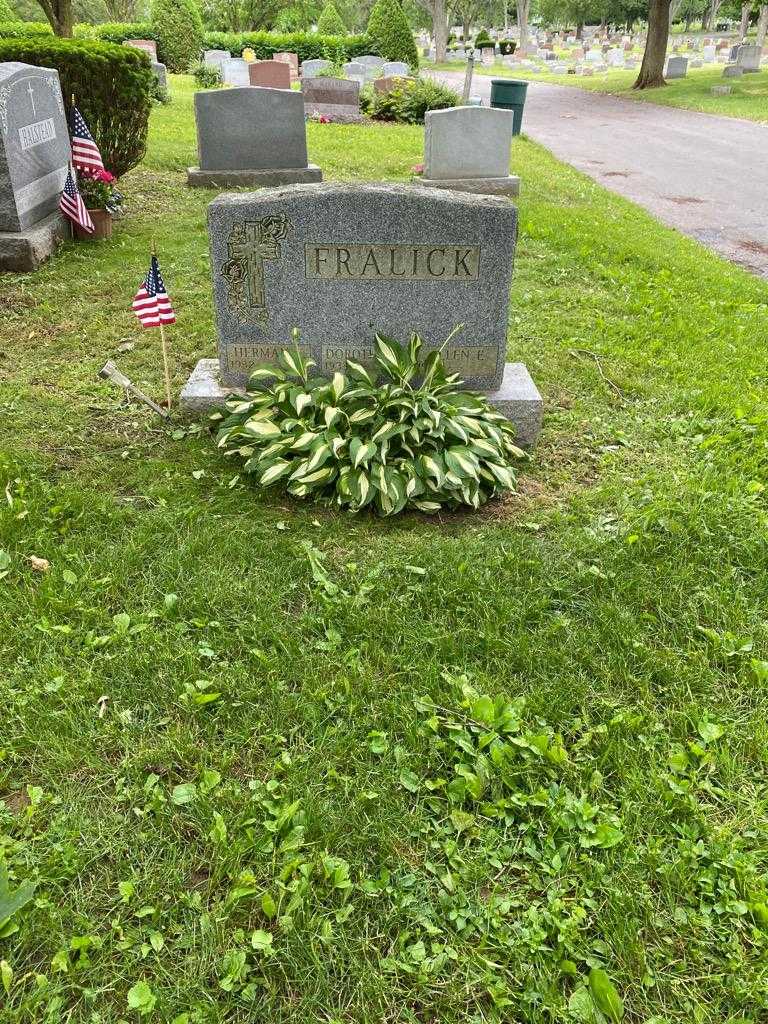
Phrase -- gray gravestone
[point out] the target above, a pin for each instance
(732, 71)
(342, 262)
(370, 60)
(338, 99)
(356, 71)
(310, 68)
(161, 74)
(251, 137)
(34, 156)
(748, 58)
(234, 71)
(467, 148)
(677, 67)
(394, 68)
(215, 57)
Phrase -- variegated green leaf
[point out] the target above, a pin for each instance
(275, 472)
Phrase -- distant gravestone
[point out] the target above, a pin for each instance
(344, 261)
(677, 67)
(748, 58)
(708, 54)
(356, 71)
(467, 148)
(160, 71)
(251, 137)
(215, 57)
(395, 67)
(272, 74)
(147, 45)
(389, 82)
(292, 60)
(371, 60)
(310, 68)
(338, 99)
(34, 156)
(234, 72)
(732, 71)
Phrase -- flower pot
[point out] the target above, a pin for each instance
(102, 226)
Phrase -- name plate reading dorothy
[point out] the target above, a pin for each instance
(244, 358)
(467, 360)
(33, 134)
(391, 262)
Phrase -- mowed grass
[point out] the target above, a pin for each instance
(748, 98)
(245, 753)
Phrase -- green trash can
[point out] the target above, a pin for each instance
(509, 94)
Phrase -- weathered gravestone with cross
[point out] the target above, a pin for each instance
(342, 262)
(34, 156)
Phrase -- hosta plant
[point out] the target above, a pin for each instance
(409, 438)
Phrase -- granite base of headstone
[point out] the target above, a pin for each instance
(34, 156)
(337, 99)
(341, 262)
(251, 136)
(467, 149)
(732, 71)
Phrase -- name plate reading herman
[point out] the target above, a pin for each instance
(382, 262)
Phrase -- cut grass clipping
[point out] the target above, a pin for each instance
(390, 444)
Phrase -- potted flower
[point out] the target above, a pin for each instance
(102, 201)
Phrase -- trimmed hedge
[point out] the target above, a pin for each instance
(112, 86)
(330, 23)
(307, 46)
(179, 28)
(24, 29)
(389, 27)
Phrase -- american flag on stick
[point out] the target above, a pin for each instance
(153, 308)
(151, 303)
(85, 153)
(72, 205)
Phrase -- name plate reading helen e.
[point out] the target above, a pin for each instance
(343, 262)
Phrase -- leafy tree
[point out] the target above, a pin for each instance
(329, 23)
(179, 31)
(6, 12)
(437, 13)
(389, 29)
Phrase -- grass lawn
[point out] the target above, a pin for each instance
(247, 753)
(748, 98)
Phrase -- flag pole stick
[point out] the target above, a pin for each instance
(164, 345)
(165, 368)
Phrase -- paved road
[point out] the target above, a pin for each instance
(707, 176)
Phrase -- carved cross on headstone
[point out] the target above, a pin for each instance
(249, 244)
(31, 92)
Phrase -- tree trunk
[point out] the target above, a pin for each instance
(466, 29)
(674, 10)
(59, 14)
(746, 10)
(762, 25)
(439, 29)
(652, 69)
(711, 16)
(580, 31)
(523, 10)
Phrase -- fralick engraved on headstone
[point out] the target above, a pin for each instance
(34, 145)
(341, 262)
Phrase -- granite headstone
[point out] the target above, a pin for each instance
(467, 148)
(338, 99)
(272, 74)
(344, 261)
(234, 71)
(251, 136)
(34, 156)
(310, 68)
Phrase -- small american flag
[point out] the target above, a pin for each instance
(85, 153)
(151, 304)
(72, 205)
